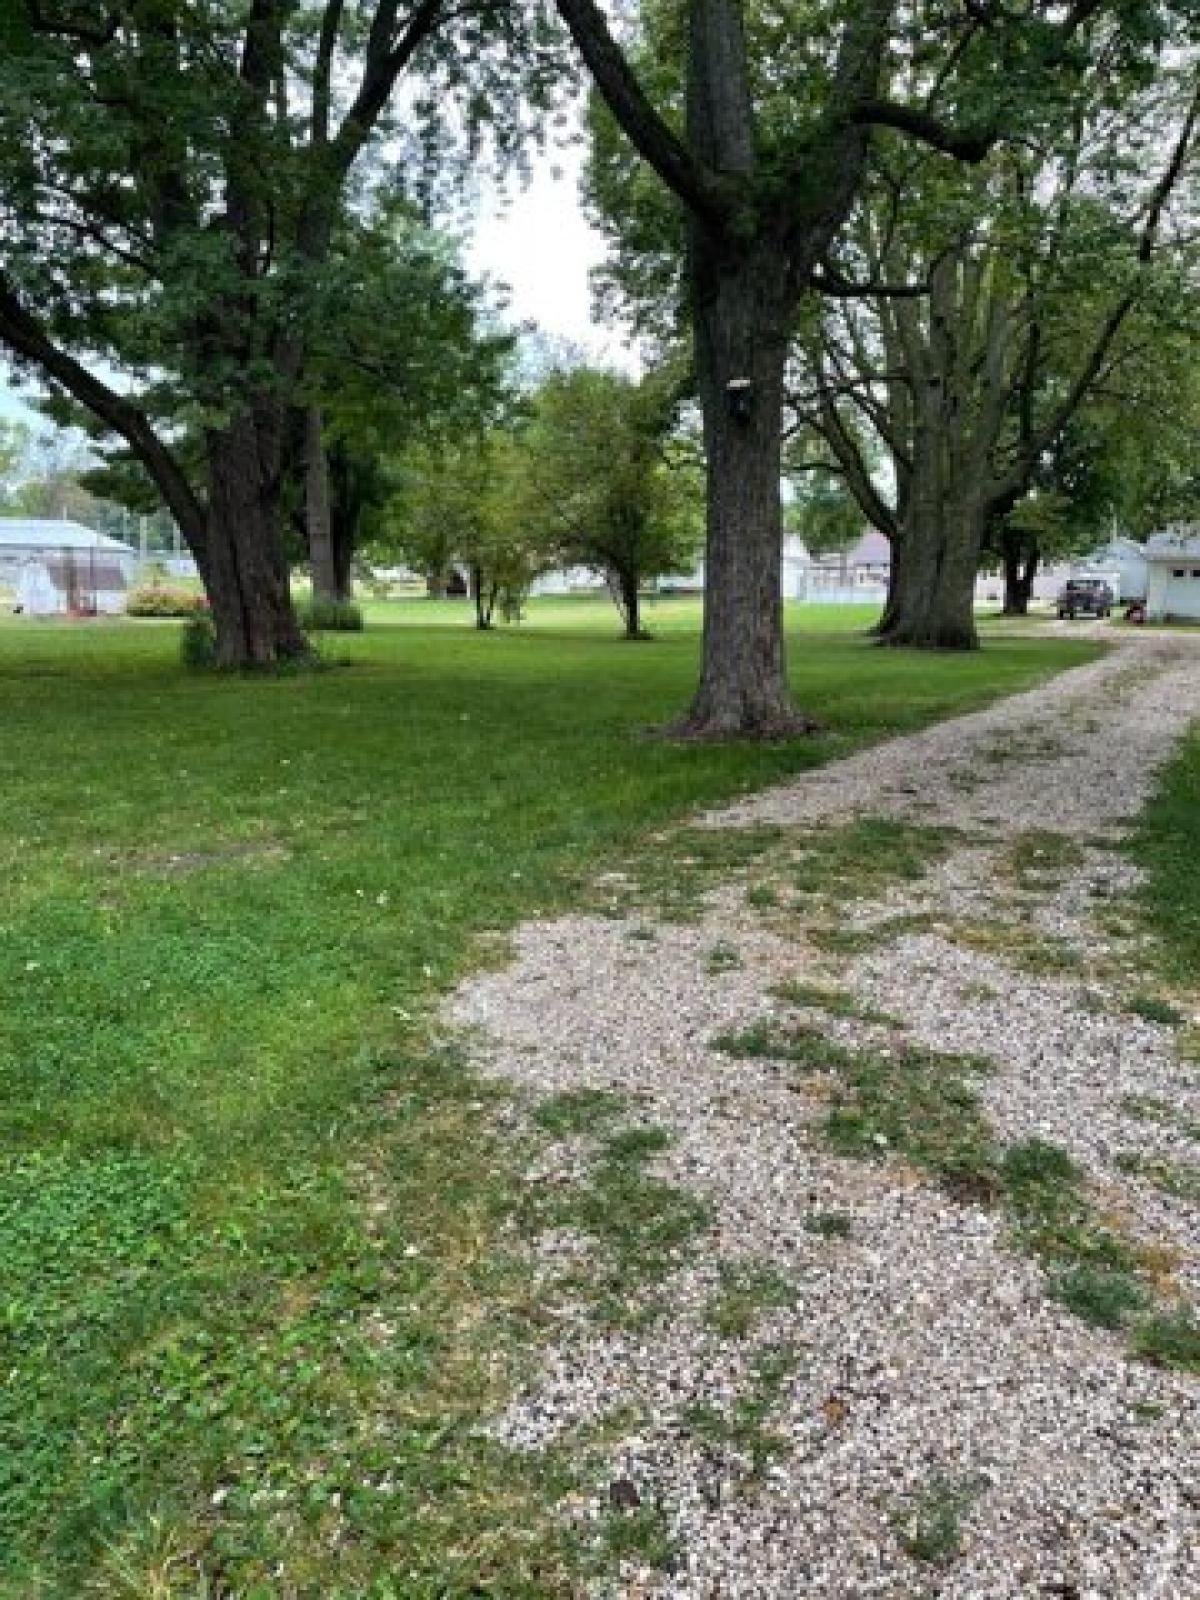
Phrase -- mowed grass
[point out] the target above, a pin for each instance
(256, 1287)
(1167, 845)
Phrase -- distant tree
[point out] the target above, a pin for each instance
(460, 504)
(824, 513)
(609, 482)
(1030, 285)
(14, 445)
(405, 351)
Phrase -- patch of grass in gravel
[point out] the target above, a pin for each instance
(640, 1534)
(864, 857)
(923, 1106)
(847, 940)
(769, 1040)
(919, 1104)
(1171, 1339)
(1153, 1009)
(641, 1222)
(1015, 943)
(818, 997)
(1105, 1297)
(1047, 1195)
(682, 867)
(829, 1224)
(1040, 858)
(1178, 1178)
(1152, 1108)
(746, 1291)
(1167, 846)
(745, 1427)
(578, 1111)
(930, 1526)
(722, 957)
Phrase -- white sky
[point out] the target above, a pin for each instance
(536, 239)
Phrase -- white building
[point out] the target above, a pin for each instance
(1173, 581)
(58, 568)
(1125, 558)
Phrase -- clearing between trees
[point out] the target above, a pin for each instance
(868, 1227)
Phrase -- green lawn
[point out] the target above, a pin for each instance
(1167, 844)
(253, 1285)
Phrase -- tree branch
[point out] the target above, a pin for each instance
(22, 334)
(708, 193)
(961, 143)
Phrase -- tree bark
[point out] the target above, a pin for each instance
(632, 604)
(1020, 569)
(484, 593)
(932, 601)
(245, 573)
(317, 513)
(742, 300)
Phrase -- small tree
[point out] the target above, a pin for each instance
(460, 504)
(609, 485)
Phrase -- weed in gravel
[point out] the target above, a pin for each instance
(722, 957)
(844, 940)
(1152, 1009)
(817, 997)
(829, 1224)
(1105, 1297)
(930, 1526)
(1178, 1178)
(762, 896)
(1171, 1339)
(578, 1111)
(1039, 858)
(769, 1040)
(747, 1289)
(864, 857)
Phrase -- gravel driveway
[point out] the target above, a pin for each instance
(855, 1381)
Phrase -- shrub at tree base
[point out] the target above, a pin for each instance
(156, 601)
(331, 616)
(198, 641)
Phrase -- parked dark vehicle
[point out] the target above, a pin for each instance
(1085, 597)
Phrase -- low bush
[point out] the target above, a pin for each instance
(198, 642)
(331, 616)
(157, 600)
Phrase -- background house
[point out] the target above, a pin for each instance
(57, 568)
(1173, 568)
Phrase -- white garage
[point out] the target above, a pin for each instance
(1173, 574)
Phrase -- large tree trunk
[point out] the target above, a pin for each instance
(880, 629)
(245, 573)
(742, 306)
(932, 604)
(317, 512)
